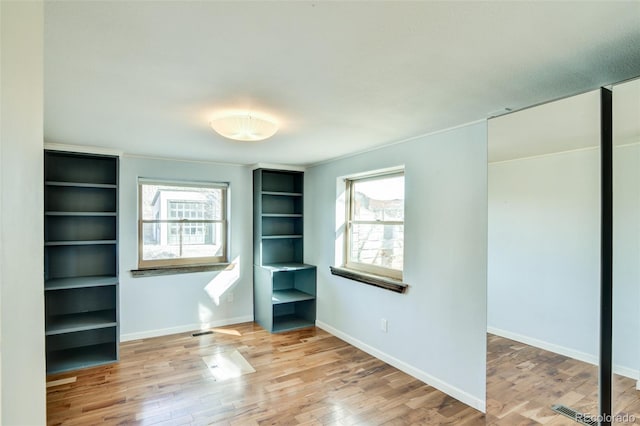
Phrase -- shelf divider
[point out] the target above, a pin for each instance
(79, 282)
(79, 243)
(81, 184)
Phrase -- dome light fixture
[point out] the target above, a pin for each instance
(244, 127)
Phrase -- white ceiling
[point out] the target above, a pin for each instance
(341, 77)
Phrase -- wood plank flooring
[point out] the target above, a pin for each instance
(524, 381)
(305, 377)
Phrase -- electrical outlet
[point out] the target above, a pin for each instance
(230, 297)
(383, 325)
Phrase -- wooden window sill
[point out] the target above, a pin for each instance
(151, 272)
(374, 280)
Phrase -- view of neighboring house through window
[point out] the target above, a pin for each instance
(181, 223)
(375, 224)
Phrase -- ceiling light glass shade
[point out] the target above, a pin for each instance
(244, 127)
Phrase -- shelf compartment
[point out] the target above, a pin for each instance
(81, 228)
(81, 357)
(272, 226)
(289, 296)
(283, 205)
(79, 301)
(80, 199)
(281, 215)
(282, 181)
(80, 261)
(281, 250)
(303, 280)
(290, 322)
(81, 349)
(292, 316)
(70, 167)
(80, 322)
(79, 282)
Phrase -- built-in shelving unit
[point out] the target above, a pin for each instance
(81, 250)
(284, 286)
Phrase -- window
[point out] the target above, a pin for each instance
(181, 224)
(375, 224)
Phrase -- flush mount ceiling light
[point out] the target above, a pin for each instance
(244, 127)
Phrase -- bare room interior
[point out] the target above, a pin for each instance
(319, 213)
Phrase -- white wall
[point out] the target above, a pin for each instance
(437, 330)
(21, 226)
(158, 305)
(544, 250)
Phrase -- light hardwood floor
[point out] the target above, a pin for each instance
(303, 377)
(523, 382)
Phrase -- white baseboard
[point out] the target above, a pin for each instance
(452, 391)
(183, 328)
(562, 350)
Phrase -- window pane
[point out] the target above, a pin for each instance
(161, 202)
(379, 199)
(379, 245)
(181, 240)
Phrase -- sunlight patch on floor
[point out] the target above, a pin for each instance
(227, 365)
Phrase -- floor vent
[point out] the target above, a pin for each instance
(583, 419)
(201, 333)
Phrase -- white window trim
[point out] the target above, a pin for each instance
(186, 262)
(357, 266)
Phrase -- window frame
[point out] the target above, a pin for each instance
(191, 261)
(375, 270)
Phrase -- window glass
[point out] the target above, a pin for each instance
(375, 224)
(182, 224)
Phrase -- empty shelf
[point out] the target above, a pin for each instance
(290, 322)
(281, 215)
(79, 243)
(287, 266)
(79, 184)
(278, 237)
(57, 213)
(289, 296)
(80, 322)
(79, 282)
(81, 357)
(288, 194)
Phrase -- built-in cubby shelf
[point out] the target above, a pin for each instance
(80, 255)
(284, 286)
